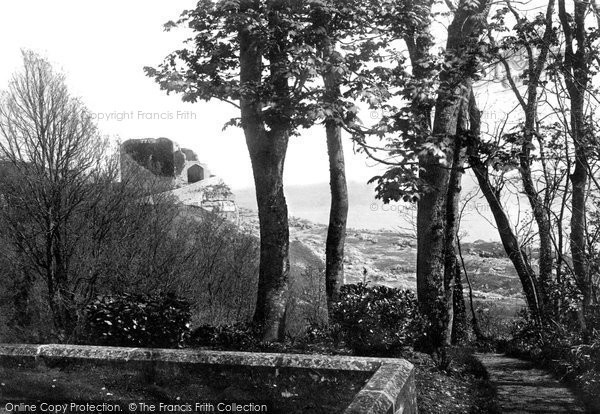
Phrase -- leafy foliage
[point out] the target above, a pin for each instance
(233, 336)
(405, 127)
(160, 321)
(208, 67)
(377, 320)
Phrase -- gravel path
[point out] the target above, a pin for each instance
(524, 389)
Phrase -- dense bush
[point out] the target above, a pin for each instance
(377, 320)
(235, 336)
(128, 246)
(219, 273)
(160, 321)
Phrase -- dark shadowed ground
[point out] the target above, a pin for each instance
(521, 388)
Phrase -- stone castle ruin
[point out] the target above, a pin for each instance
(163, 158)
(188, 179)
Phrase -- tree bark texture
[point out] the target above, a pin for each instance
(267, 154)
(509, 240)
(435, 175)
(338, 213)
(577, 79)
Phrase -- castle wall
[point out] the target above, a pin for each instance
(156, 155)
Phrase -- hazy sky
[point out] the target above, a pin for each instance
(103, 47)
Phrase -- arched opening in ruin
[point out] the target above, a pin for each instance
(195, 173)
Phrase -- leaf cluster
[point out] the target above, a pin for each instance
(314, 37)
(160, 320)
(377, 320)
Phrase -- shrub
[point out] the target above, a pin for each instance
(158, 320)
(585, 364)
(307, 301)
(220, 273)
(377, 320)
(235, 336)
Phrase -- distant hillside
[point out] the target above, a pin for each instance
(312, 201)
(388, 257)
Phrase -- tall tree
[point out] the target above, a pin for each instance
(347, 42)
(434, 239)
(523, 44)
(260, 57)
(427, 158)
(330, 22)
(537, 41)
(513, 247)
(51, 145)
(285, 64)
(527, 41)
(338, 213)
(576, 70)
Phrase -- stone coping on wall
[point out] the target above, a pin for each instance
(391, 389)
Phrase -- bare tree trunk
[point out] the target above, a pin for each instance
(539, 207)
(267, 153)
(577, 79)
(561, 262)
(431, 218)
(451, 269)
(475, 323)
(432, 222)
(418, 45)
(274, 243)
(511, 244)
(579, 181)
(542, 218)
(432, 235)
(452, 212)
(509, 240)
(338, 213)
(459, 324)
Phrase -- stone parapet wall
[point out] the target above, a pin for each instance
(391, 389)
